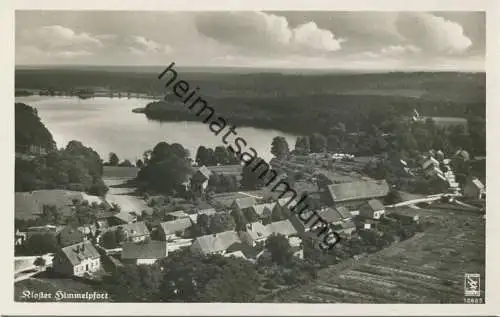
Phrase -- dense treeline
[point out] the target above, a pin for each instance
(218, 156)
(427, 85)
(75, 167)
(30, 131)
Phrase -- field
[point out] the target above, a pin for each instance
(427, 268)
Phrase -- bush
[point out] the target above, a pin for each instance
(39, 261)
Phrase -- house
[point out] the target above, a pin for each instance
(330, 215)
(218, 243)
(263, 210)
(406, 215)
(244, 203)
(227, 170)
(357, 192)
(178, 244)
(344, 212)
(372, 209)
(78, 259)
(474, 189)
(102, 219)
(122, 217)
(172, 230)
(144, 253)
(255, 233)
(135, 232)
(179, 214)
(369, 224)
(209, 212)
(199, 180)
(283, 227)
(69, 236)
(88, 231)
(347, 228)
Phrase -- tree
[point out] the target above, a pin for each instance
(279, 147)
(277, 214)
(221, 155)
(251, 179)
(165, 172)
(302, 145)
(126, 163)
(39, 261)
(317, 143)
(202, 156)
(280, 249)
(239, 282)
(139, 163)
(41, 243)
(239, 219)
(113, 159)
(134, 283)
(333, 143)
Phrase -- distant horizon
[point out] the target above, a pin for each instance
(250, 69)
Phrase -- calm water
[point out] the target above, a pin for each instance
(109, 125)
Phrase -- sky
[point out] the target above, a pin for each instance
(344, 40)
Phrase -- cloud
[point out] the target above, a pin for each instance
(57, 36)
(143, 46)
(432, 33)
(266, 33)
(56, 41)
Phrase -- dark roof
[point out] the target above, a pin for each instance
(329, 215)
(150, 250)
(358, 190)
(76, 253)
(375, 204)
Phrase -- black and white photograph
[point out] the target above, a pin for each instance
(244, 156)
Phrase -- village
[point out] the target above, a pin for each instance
(356, 205)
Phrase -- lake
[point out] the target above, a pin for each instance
(109, 125)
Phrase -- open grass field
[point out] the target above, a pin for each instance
(427, 268)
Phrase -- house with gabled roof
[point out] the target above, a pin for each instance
(135, 232)
(263, 210)
(123, 217)
(330, 215)
(78, 259)
(209, 212)
(199, 180)
(218, 243)
(357, 192)
(372, 209)
(344, 212)
(255, 233)
(173, 230)
(178, 214)
(144, 253)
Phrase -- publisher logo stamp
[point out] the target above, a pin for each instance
(472, 284)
